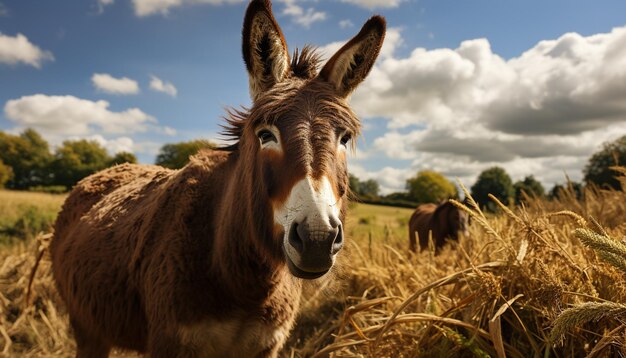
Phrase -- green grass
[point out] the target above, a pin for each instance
(382, 222)
(25, 214)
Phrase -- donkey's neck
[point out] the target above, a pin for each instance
(242, 255)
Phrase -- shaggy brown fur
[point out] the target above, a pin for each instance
(190, 262)
(444, 220)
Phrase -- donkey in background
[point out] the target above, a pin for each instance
(208, 260)
(444, 221)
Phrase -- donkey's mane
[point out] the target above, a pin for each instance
(304, 66)
(305, 63)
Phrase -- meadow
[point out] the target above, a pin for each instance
(544, 279)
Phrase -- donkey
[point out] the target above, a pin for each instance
(208, 260)
(444, 221)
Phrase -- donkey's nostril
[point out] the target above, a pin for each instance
(338, 241)
(294, 238)
(334, 221)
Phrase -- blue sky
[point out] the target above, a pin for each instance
(441, 108)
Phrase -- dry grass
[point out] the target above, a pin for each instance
(522, 284)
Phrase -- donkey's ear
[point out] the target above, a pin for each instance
(264, 48)
(349, 66)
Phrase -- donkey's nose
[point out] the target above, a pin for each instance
(312, 246)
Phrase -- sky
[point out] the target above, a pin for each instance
(461, 85)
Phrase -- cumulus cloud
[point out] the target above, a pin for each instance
(159, 85)
(301, 16)
(72, 116)
(344, 24)
(373, 4)
(18, 49)
(109, 84)
(163, 7)
(113, 146)
(104, 3)
(462, 110)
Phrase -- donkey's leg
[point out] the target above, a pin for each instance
(87, 345)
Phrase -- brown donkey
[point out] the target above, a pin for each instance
(208, 260)
(444, 220)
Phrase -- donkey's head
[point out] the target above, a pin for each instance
(296, 134)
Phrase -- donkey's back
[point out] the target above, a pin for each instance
(105, 250)
(91, 256)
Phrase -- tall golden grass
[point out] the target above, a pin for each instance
(544, 279)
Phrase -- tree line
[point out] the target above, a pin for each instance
(27, 161)
(431, 187)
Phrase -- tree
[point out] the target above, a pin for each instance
(77, 159)
(430, 187)
(354, 183)
(6, 174)
(597, 169)
(558, 191)
(176, 155)
(530, 186)
(494, 181)
(29, 157)
(123, 157)
(364, 189)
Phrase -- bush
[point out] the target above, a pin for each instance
(530, 186)
(176, 155)
(6, 174)
(598, 169)
(430, 187)
(50, 189)
(31, 222)
(493, 181)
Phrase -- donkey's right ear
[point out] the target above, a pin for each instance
(264, 48)
(349, 66)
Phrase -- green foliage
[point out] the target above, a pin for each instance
(6, 173)
(494, 181)
(123, 157)
(531, 186)
(50, 189)
(31, 221)
(29, 157)
(558, 191)
(176, 155)
(598, 168)
(77, 159)
(364, 189)
(430, 187)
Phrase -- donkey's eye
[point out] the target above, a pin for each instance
(266, 136)
(345, 139)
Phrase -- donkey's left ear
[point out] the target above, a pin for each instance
(349, 66)
(264, 48)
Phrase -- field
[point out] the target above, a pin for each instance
(525, 282)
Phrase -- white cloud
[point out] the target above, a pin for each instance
(301, 16)
(373, 4)
(18, 49)
(390, 179)
(169, 131)
(163, 7)
(159, 85)
(104, 3)
(113, 146)
(344, 24)
(66, 116)
(460, 111)
(109, 84)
